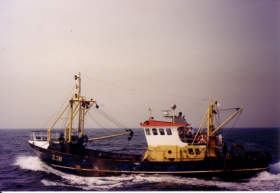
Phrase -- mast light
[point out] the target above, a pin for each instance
(173, 106)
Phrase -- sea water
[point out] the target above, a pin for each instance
(21, 170)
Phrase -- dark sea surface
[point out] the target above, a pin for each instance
(21, 170)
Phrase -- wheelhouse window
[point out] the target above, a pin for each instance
(161, 131)
(147, 131)
(155, 131)
(168, 131)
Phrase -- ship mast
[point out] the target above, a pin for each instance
(81, 120)
(210, 118)
(79, 106)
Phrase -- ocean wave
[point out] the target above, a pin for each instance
(268, 181)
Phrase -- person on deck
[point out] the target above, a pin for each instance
(180, 132)
(180, 115)
(190, 133)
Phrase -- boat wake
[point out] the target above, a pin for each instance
(264, 181)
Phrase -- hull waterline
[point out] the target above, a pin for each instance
(92, 166)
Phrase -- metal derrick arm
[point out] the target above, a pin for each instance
(203, 122)
(230, 118)
(209, 119)
(50, 129)
(111, 136)
(76, 103)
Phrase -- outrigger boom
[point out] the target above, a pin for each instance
(230, 118)
(130, 133)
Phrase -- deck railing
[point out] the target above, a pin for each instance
(43, 135)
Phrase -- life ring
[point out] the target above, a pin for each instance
(202, 139)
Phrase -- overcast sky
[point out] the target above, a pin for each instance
(139, 54)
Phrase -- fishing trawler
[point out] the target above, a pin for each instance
(172, 146)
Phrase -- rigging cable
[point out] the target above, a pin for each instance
(99, 123)
(114, 98)
(126, 145)
(196, 107)
(234, 123)
(65, 120)
(141, 90)
(218, 120)
(99, 120)
(59, 109)
(111, 119)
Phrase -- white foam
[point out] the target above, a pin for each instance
(49, 183)
(29, 163)
(35, 164)
(97, 183)
(264, 181)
